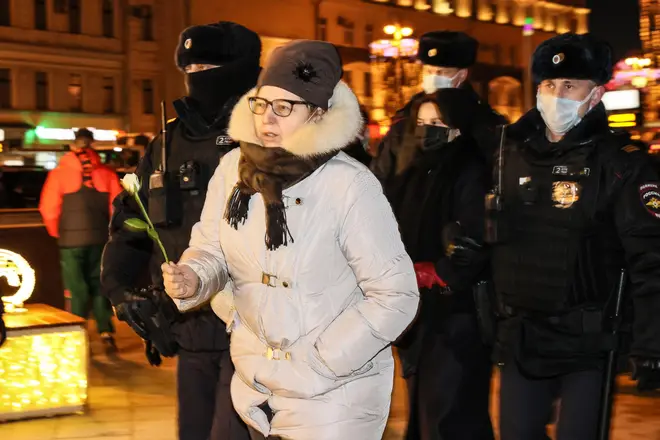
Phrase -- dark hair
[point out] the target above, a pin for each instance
(411, 122)
(409, 142)
(84, 133)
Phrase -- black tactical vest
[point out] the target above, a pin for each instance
(559, 248)
(206, 154)
(199, 330)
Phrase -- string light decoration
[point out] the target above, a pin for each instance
(18, 273)
(43, 372)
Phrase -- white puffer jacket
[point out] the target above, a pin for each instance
(311, 322)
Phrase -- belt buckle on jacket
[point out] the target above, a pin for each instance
(275, 354)
(268, 279)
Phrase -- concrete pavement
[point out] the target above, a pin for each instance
(130, 400)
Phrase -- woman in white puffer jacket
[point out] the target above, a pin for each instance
(321, 281)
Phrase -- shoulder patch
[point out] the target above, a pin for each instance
(649, 194)
(630, 148)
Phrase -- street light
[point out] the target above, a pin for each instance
(398, 34)
(392, 50)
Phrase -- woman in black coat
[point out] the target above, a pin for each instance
(437, 183)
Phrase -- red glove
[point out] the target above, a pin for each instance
(427, 276)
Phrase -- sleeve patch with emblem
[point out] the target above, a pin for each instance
(650, 196)
(630, 148)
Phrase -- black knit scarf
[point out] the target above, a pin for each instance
(269, 171)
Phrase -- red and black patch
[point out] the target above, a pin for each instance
(649, 193)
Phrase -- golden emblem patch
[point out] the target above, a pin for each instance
(433, 52)
(565, 194)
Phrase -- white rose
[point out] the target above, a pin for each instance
(131, 183)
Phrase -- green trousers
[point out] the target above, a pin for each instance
(81, 271)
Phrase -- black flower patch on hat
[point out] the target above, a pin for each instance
(306, 73)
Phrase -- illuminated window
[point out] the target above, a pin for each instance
(60, 6)
(75, 93)
(368, 84)
(497, 53)
(322, 29)
(349, 34)
(108, 18)
(108, 95)
(40, 15)
(147, 22)
(147, 97)
(74, 17)
(368, 34)
(5, 88)
(5, 13)
(41, 84)
(349, 30)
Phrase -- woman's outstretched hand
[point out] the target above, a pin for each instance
(180, 281)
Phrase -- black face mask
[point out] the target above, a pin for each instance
(210, 89)
(432, 136)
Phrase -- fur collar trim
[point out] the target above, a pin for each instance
(336, 129)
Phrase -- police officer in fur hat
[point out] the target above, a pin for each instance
(446, 58)
(220, 62)
(575, 205)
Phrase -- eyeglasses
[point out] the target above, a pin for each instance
(281, 107)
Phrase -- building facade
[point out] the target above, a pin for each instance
(649, 33)
(67, 64)
(353, 25)
(106, 64)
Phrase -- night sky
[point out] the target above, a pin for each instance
(616, 21)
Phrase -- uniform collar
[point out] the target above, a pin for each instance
(530, 129)
(196, 125)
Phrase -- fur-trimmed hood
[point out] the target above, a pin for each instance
(336, 129)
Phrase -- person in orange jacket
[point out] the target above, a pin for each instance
(76, 204)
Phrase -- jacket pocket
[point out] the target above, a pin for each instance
(319, 366)
(303, 375)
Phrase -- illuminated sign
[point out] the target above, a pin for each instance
(528, 27)
(621, 100)
(406, 47)
(19, 274)
(69, 134)
(622, 117)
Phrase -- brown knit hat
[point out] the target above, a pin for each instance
(310, 69)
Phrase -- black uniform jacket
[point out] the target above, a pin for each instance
(621, 204)
(128, 254)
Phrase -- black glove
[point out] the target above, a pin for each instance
(464, 251)
(151, 313)
(646, 371)
(153, 356)
(461, 249)
(126, 309)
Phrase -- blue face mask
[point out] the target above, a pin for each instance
(431, 83)
(560, 114)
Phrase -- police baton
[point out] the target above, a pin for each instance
(611, 366)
